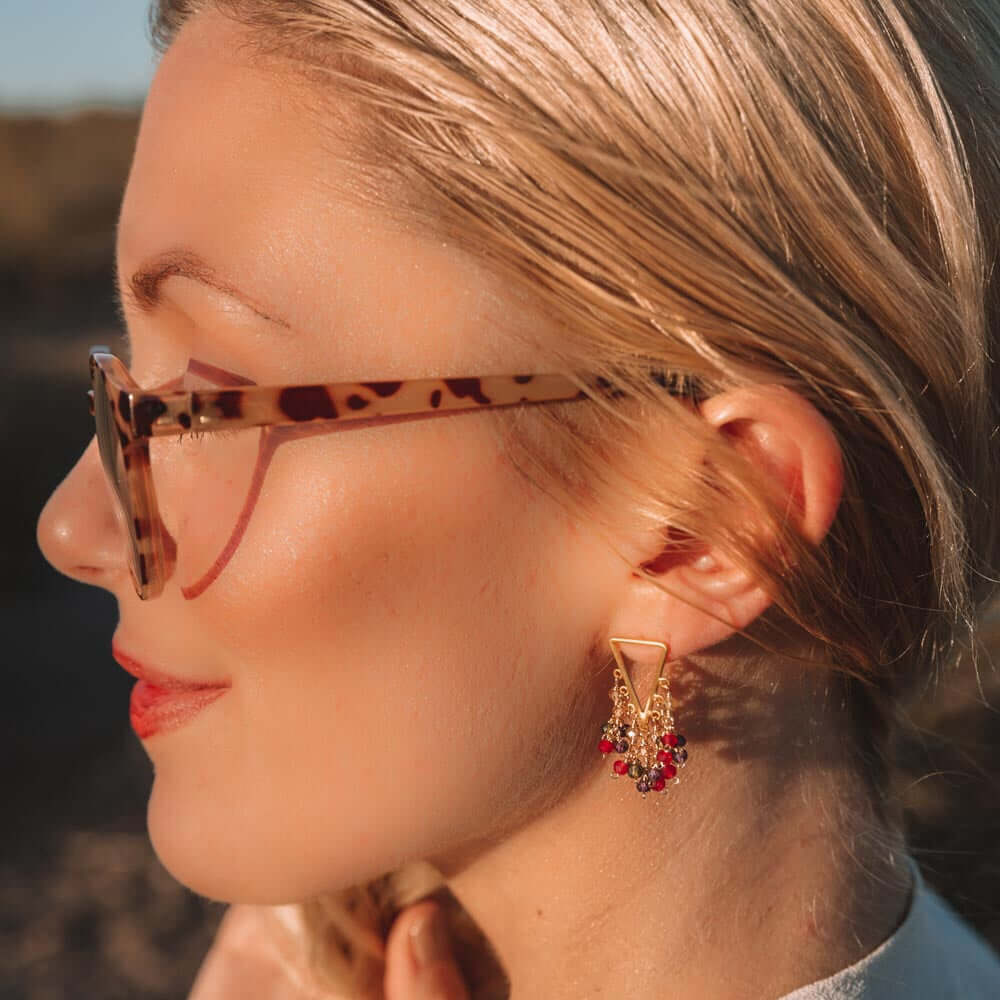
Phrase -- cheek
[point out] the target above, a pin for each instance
(346, 531)
(387, 586)
(388, 630)
(205, 488)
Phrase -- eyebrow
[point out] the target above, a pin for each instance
(144, 286)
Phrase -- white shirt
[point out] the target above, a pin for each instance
(933, 955)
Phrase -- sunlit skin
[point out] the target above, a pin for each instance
(405, 618)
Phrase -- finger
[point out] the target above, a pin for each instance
(420, 964)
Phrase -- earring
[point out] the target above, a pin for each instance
(653, 750)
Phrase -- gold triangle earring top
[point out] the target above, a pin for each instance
(644, 733)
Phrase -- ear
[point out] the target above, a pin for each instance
(783, 434)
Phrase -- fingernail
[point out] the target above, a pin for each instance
(429, 940)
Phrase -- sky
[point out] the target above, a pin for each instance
(58, 54)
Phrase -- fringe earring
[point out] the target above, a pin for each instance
(653, 749)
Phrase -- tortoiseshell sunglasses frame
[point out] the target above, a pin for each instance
(138, 416)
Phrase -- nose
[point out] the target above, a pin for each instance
(78, 529)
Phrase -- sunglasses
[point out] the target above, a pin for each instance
(127, 418)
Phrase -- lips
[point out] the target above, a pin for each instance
(160, 702)
(143, 672)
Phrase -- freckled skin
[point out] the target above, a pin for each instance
(349, 611)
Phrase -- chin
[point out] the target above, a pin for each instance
(211, 854)
(225, 853)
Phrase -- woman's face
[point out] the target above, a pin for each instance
(405, 617)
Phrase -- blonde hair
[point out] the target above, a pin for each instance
(791, 192)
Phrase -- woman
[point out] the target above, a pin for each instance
(752, 242)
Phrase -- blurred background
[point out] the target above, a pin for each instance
(85, 908)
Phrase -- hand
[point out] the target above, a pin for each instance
(418, 960)
(254, 957)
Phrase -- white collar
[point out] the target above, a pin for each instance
(933, 955)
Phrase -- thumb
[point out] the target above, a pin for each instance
(419, 960)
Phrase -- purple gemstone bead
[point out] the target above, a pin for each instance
(654, 773)
(680, 755)
(680, 740)
(621, 746)
(642, 785)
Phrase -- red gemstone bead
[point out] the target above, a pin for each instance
(669, 771)
(662, 755)
(606, 746)
(670, 739)
(620, 767)
(659, 785)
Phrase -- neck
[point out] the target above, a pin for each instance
(763, 870)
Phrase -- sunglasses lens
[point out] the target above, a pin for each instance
(207, 485)
(109, 442)
(186, 500)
